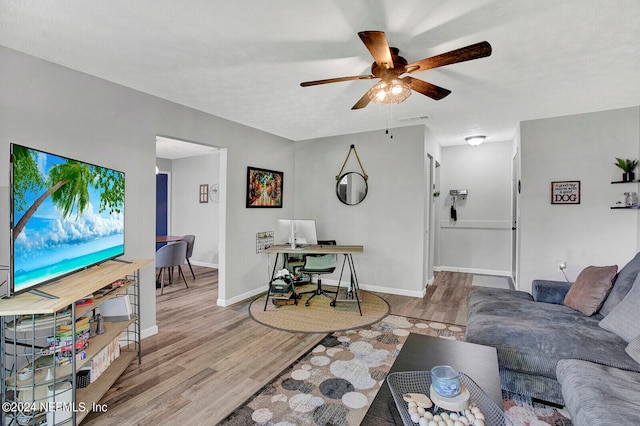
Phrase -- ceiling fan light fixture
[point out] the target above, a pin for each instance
(392, 91)
(475, 140)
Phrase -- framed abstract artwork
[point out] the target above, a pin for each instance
(264, 188)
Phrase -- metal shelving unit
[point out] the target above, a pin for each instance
(44, 346)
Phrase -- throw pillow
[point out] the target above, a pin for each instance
(590, 288)
(633, 349)
(622, 285)
(624, 319)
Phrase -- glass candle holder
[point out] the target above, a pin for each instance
(445, 380)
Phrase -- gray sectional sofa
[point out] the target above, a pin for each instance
(553, 352)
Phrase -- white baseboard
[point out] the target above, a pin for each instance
(147, 332)
(208, 265)
(380, 289)
(474, 271)
(374, 288)
(228, 302)
(397, 291)
(330, 282)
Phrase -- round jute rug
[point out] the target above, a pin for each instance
(319, 316)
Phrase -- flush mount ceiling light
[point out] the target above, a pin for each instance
(390, 91)
(475, 140)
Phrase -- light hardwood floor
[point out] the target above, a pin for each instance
(207, 360)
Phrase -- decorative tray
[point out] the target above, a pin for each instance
(404, 382)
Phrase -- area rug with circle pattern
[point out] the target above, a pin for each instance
(335, 382)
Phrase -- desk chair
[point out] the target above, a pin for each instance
(319, 264)
(168, 257)
(190, 240)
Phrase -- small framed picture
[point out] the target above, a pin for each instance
(565, 192)
(264, 188)
(204, 193)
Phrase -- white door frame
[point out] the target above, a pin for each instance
(429, 221)
(515, 216)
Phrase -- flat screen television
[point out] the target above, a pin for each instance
(66, 215)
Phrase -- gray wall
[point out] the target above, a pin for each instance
(163, 164)
(66, 112)
(188, 215)
(69, 113)
(390, 221)
(480, 240)
(578, 147)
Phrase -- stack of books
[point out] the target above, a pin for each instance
(61, 344)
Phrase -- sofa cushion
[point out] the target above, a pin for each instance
(622, 284)
(590, 288)
(549, 291)
(633, 349)
(624, 319)
(598, 395)
(531, 337)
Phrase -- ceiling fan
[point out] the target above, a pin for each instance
(389, 67)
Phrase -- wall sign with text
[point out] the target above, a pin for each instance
(565, 192)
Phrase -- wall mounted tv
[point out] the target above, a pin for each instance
(66, 215)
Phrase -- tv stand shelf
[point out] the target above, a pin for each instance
(69, 289)
(29, 326)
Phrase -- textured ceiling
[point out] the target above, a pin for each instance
(244, 60)
(172, 149)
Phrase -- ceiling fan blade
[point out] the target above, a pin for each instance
(335, 80)
(362, 102)
(427, 89)
(377, 44)
(474, 51)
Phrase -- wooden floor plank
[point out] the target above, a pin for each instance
(207, 360)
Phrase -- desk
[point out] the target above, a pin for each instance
(346, 250)
(168, 238)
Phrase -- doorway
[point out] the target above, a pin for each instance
(184, 168)
(429, 220)
(515, 213)
(163, 207)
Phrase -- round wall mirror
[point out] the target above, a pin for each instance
(352, 188)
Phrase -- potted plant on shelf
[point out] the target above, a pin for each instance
(628, 166)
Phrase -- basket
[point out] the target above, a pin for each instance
(420, 382)
(83, 379)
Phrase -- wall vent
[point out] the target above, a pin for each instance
(416, 118)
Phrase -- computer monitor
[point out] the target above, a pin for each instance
(303, 229)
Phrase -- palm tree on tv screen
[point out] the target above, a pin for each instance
(67, 184)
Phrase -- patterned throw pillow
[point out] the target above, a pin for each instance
(624, 319)
(633, 349)
(590, 288)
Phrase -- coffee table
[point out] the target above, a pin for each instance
(423, 352)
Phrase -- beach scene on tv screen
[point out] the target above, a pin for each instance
(67, 215)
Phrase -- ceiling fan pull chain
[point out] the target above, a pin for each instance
(353, 147)
(390, 122)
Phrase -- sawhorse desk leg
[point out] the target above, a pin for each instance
(353, 285)
(273, 273)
